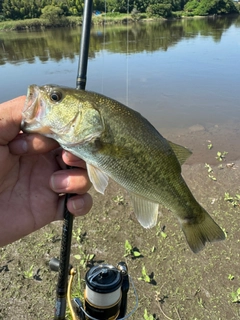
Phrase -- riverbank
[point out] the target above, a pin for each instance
(182, 75)
(33, 24)
(72, 21)
(181, 284)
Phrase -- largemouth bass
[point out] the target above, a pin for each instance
(116, 141)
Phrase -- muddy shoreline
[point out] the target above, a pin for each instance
(184, 285)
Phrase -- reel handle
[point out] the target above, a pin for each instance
(54, 265)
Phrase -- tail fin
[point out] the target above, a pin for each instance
(198, 233)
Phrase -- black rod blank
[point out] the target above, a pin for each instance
(61, 291)
(84, 46)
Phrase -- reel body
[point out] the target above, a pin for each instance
(105, 293)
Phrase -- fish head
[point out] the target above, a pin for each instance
(61, 113)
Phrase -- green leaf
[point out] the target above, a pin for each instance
(230, 277)
(153, 249)
(146, 316)
(144, 276)
(208, 167)
(128, 246)
(212, 177)
(163, 234)
(136, 253)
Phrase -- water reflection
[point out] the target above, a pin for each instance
(17, 47)
(178, 74)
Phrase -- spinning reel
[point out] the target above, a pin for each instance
(105, 294)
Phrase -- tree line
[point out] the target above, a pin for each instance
(61, 45)
(28, 9)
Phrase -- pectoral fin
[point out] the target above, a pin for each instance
(98, 178)
(146, 211)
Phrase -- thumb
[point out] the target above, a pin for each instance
(10, 120)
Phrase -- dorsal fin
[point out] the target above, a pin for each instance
(181, 152)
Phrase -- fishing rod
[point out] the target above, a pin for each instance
(84, 46)
(105, 295)
(63, 267)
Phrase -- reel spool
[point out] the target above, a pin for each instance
(103, 294)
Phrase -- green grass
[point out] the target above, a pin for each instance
(29, 24)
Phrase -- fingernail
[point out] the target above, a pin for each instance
(59, 182)
(66, 153)
(78, 204)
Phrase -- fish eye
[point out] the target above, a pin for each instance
(56, 96)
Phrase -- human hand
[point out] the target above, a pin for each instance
(31, 178)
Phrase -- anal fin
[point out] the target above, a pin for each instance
(145, 210)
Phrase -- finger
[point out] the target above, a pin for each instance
(70, 181)
(11, 115)
(31, 144)
(72, 160)
(78, 205)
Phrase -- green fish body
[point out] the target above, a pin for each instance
(117, 142)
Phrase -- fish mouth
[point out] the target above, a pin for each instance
(33, 110)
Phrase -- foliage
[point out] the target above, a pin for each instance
(148, 316)
(191, 5)
(20, 9)
(135, 14)
(129, 250)
(145, 277)
(142, 5)
(75, 7)
(28, 274)
(234, 200)
(1, 3)
(221, 155)
(28, 9)
(159, 10)
(51, 13)
(236, 296)
(210, 7)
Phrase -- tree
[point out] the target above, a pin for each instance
(159, 10)
(210, 7)
(51, 13)
(1, 3)
(75, 7)
(21, 9)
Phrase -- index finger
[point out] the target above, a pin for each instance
(31, 143)
(72, 160)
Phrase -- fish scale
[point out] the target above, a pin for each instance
(117, 142)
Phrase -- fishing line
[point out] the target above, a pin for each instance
(104, 45)
(127, 59)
